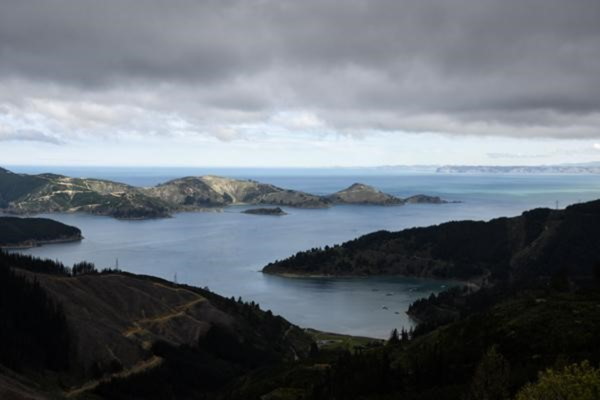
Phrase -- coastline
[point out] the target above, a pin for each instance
(37, 243)
(475, 283)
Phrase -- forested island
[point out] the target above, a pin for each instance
(47, 193)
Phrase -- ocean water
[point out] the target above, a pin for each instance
(226, 250)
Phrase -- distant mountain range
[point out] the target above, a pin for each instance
(591, 168)
(46, 193)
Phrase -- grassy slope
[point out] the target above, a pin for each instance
(14, 186)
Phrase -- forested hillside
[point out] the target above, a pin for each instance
(537, 243)
(32, 231)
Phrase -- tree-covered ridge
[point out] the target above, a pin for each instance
(579, 381)
(32, 231)
(490, 354)
(538, 242)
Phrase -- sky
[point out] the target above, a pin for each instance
(312, 83)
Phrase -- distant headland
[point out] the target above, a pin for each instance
(24, 233)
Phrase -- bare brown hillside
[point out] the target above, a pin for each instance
(116, 319)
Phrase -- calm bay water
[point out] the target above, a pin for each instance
(225, 250)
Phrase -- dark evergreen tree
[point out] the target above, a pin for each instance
(84, 267)
(491, 379)
(394, 338)
(33, 329)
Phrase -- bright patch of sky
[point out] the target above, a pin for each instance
(275, 146)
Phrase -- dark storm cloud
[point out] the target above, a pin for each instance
(447, 66)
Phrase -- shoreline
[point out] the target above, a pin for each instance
(475, 283)
(223, 208)
(30, 244)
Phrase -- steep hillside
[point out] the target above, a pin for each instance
(117, 336)
(539, 242)
(30, 232)
(487, 355)
(121, 325)
(14, 186)
(47, 193)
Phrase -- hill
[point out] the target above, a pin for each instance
(83, 334)
(215, 191)
(539, 242)
(30, 232)
(115, 325)
(490, 354)
(47, 193)
(359, 193)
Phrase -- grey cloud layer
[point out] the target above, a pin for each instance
(527, 67)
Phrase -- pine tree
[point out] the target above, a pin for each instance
(394, 338)
(491, 379)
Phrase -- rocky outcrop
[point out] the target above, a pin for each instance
(424, 199)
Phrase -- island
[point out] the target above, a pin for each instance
(275, 211)
(359, 193)
(424, 199)
(31, 232)
(25, 194)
